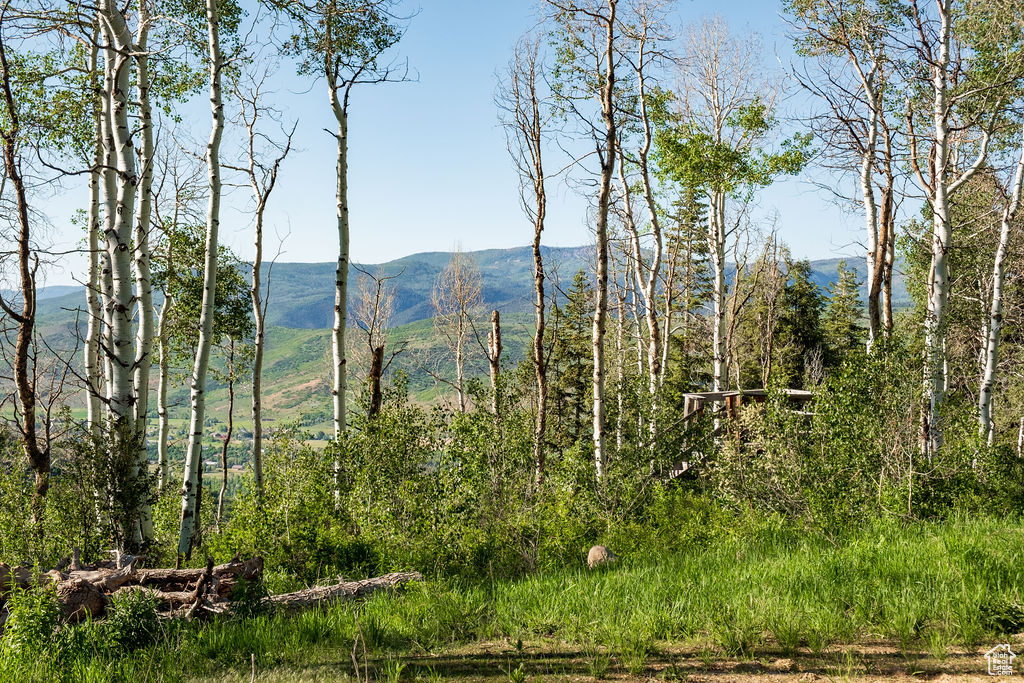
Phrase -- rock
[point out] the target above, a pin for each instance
(599, 555)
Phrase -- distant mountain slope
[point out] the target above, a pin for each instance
(302, 294)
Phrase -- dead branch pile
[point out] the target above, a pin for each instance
(87, 590)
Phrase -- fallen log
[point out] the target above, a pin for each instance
(345, 590)
(165, 600)
(107, 580)
(80, 599)
(248, 570)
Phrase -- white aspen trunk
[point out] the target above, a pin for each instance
(255, 294)
(162, 387)
(938, 280)
(654, 357)
(93, 372)
(339, 388)
(121, 187)
(341, 273)
(460, 370)
(716, 247)
(867, 189)
(194, 455)
(604, 198)
(143, 283)
(494, 358)
(122, 183)
(620, 349)
(1020, 438)
(994, 323)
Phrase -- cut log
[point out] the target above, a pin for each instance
(346, 590)
(80, 599)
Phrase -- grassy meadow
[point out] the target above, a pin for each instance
(887, 600)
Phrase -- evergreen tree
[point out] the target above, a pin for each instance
(571, 365)
(801, 340)
(841, 324)
(688, 272)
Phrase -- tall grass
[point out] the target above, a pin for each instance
(923, 586)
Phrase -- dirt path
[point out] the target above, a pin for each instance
(502, 661)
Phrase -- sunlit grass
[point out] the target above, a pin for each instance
(924, 587)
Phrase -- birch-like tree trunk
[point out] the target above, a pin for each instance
(338, 390)
(608, 159)
(194, 454)
(221, 496)
(994, 324)
(120, 185)
(141, 261)
(716, 248)
(494, 359)
(38, 455)
(123, 180)
(162, 387)
(938, 276)
(94, 325)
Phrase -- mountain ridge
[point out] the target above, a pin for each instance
(302, 293)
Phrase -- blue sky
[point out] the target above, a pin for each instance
(428, 167)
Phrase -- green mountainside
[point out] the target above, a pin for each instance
(297, 367)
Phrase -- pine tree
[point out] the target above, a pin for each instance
(801, 340)
(841, 324)
(571, 365)
(688, 273)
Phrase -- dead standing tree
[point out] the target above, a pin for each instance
(525, 115)
(455, 298)
(375, 300)
(264, 157)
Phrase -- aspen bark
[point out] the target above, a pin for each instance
(494, 359)
(91, 350)
(871, 214)
(608, 158)
(255, 294)
(194, 455)
(38, 457)
(227, 436)
(143, 283)
(121, 195)
(716, 248)
(162, 387)
(994, 324)
(650, 283)
(341, 272)
(938, 278)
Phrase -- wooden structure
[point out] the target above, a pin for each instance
(725, 407)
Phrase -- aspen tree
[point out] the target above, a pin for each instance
(194, 452)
